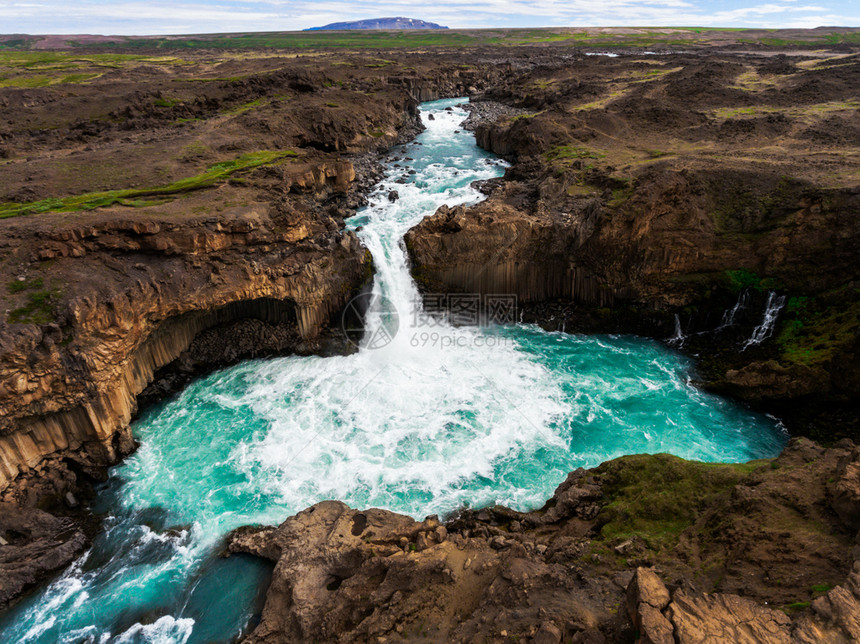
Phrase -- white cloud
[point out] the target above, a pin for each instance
(207, 16)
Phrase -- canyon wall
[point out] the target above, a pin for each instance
(124, 301)
(132, 296)
(653, 196)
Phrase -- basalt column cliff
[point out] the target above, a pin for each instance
(170, 217)
(711, 199)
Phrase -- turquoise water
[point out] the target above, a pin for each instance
(433, 419)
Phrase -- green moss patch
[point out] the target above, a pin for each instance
(655, 498)
(813, 332)
(44, 80)
(245, 107)
(138, 196)
(39, 308)
(570, 152)
(16, 286)
(739, 279)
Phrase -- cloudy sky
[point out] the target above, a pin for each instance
(202, 16)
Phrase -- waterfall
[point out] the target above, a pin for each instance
(679, 337)
(429, 415)
(764, 330)
(730, 315)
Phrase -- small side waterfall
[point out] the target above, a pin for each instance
(765, 329)
(678, 339)
(730, 314)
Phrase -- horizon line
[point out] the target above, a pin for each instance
(449, 29)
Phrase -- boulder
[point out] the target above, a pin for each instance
(33, 544)
(726, 619)
(845, 491)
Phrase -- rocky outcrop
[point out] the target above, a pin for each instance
(691, 617)
(647, 546)
(346, 575)
(32, 544)
(452, 81)
(129, 297)
(633, 267)
(537, 241)
(606, 222)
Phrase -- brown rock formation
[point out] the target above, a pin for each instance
(32, 544)
(692, 617)
(756, 543)
(638, 194)
(102, 295)
(152, 230)
(131, 297)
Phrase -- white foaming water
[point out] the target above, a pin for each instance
(764, 330)
(730, 314)
(372, 426)
(440, 417)
(165, 630)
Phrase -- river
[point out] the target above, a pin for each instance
(427, 416)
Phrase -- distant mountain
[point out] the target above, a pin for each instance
(380, 23)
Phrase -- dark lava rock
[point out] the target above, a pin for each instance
(33, 544)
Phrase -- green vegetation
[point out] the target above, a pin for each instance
(812, 331)
(621, 194)
(39, 308)
(640, 38)
(796, 607)
(239, 109)
(41, 80)
(137, 196)
(16, 286)
(657, 497)
(850, 38)
(166, 102)
(741, 278)
(570, 152)
(34, 69)
(732, 112)
(816, 591)
(300, 40)
(65, 59)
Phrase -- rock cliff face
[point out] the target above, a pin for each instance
(130, 296)
(647, 547)
(36, 544)
(539, 243)
(653, 200)
(701, 617)
(116, 298)
(152, 230)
